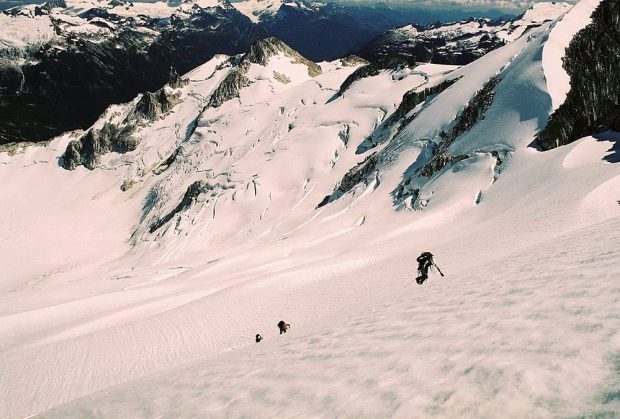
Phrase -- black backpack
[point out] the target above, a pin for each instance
(425, 257)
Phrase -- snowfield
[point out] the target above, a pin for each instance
(108, 310)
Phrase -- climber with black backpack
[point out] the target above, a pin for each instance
(425, 262)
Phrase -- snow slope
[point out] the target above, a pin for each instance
(101, 316)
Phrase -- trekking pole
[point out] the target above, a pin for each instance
(439, 270)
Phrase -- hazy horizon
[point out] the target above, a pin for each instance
(510, 6)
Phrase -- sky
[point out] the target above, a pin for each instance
(511, 5)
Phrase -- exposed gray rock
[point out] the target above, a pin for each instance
(72, 159)
(282, 78)
(229, 88)
(476, 109)
(193, 191)
(151, 106)
(95, 142)
(413, 98)
(175, 81)
(165, 165)
(371, 70)
(353, 177)
(262, 50)
(440, 161)
(592, 61)
(352, 61)
(127, 184)
(259, 53)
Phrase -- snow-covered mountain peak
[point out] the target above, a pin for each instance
(544, 12)
(264, 49)
(255, 9)
(258, 10)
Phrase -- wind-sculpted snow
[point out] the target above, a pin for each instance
(508, 337)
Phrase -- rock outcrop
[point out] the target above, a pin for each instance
(262, 50)
(259, 53)
(353, 177)
(230, 87)
(175, 81)
(152, 106)
(373, 69)
(95, 142)
(193, 191)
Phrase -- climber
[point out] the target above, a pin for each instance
(425, 262)
(283, 326)
(258, 338)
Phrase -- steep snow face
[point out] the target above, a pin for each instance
(558, 81)
(208, 232)
(464, 138)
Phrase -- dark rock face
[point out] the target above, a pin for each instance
(165, 165)
(413, 98)
(368, 70)
(353, 177)
(353, 60)
(175, 80)
(72, 158)
(67, 83)
(87, 150)
(592, 61)
(230, 87)
(152, 105)
(372, 69)
(193, 191)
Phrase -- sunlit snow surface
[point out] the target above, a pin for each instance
(100, 318)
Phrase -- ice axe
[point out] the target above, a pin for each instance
(439, 270)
